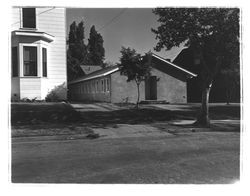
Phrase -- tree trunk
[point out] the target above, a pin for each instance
(138, 97)
(227, 96)
(203, 118)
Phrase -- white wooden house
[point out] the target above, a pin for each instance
(38, 52)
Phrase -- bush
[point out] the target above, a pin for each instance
(57, 94)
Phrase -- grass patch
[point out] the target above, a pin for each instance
(38, 113)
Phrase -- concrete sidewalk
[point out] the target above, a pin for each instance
(125, 130)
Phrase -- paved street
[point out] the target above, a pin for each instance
(184, 158)
(155, 144)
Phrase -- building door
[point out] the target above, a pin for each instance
(151, 88)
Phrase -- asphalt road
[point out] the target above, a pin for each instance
(211, 157)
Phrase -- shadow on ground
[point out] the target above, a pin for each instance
(57, 116)
(39, 113)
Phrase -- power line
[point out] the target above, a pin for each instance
(113, 19)
(36, 14)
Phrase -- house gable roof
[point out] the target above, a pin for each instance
(160, 64)
(166, 62)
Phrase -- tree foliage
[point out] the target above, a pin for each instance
(134, 66)
(77, 51)
(95, 47)
(212, 33)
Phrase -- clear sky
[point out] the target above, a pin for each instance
(119, 27)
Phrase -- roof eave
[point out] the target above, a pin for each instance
(176, 66)
(94, 77)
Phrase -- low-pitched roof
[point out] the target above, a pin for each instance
(96, 74)
(109, 70)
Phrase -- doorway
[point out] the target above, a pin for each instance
(151, 88)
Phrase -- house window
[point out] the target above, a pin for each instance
(14, 59)
(29, 17)
(44, 62)
(29, 61)
(102, 87)
(105, 84)
(85, 88)
(97, 86)
(108, 88)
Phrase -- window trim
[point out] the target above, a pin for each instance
(36, 61)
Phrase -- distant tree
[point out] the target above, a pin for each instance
(231, 80)
(213, 35)
(95, 47)
(108, 64)
(135, 67)
(77, 51)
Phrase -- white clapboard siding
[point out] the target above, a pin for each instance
(16, 19)
(31, 88)
(51, 21)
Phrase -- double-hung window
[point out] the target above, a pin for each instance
(29, 18)
(29, 61)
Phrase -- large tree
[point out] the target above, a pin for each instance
(135, 67)
(212, 34)
(77, 51)
(95, 47)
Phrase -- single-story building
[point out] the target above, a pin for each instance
(166, 83)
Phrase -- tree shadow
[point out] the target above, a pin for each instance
(64, 114)
(40, 113)
(124, 116)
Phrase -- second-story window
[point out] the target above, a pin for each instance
(29, 17)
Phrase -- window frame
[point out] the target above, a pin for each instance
(36, 65)
(39, 46)
(22, 19)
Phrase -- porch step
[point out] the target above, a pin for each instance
(154, 102)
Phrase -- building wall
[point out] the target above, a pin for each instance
(91, 90)
(169, 88)
(51, 21)
(123, 91)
